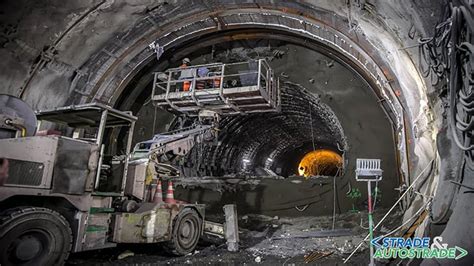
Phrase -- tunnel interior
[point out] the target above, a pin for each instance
(359, 79)
(271, 143)
(320, 162)
(327, 108)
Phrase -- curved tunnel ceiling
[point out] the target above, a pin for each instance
(290, 140)
(374, 44)
(118, 65)
(270, 141)
(110, 75)
(371, 51)
(226, 156)
(106, 74)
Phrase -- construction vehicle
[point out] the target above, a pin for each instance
(165, 147)
(67, 191)
(74, 188)
(216, 90)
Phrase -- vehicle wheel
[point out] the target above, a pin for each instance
(34, 236)
(186, 233)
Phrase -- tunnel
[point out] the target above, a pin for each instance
(259, 143)
(352, 80)
(315, 107)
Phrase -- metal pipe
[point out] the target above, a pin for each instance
(259, 71)
(221, 85)
(390, 210)
(99, 141)
(99, 166)
(371, 222)
(127, 152)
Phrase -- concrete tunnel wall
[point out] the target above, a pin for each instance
(332, 91)
(112, 42)
(99, 50)
(75, 52)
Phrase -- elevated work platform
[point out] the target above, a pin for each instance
(227, 89)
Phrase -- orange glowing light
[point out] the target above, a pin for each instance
(320, 162)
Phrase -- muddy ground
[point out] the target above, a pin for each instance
(264, 240)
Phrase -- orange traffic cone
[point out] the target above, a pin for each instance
(158, 198)
(170, 194)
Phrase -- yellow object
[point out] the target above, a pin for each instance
(150, 173)
(320, 162)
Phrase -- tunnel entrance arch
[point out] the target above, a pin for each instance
(112, 71)
(130, 61)
(120, 63)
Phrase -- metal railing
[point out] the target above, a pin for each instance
(216, 79)
(368, 169)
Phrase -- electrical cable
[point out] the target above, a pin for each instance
(389, 211)
(445, 212)
(20, 127)
(453, 83)
(302, 209)
(375, 194)
(447, 57)
(334, 200)
(363, 227)
(424, 207)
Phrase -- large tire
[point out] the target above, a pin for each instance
(186, 230)
(34, 236)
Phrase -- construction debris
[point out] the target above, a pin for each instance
(261, 242)
(315, 255)
(125, 254)
(319, 234)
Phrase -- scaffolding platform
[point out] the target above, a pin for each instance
(227, 89)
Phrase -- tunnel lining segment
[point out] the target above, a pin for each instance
(271, 141)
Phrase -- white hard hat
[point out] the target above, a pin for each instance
(186, 60)
(162, 76)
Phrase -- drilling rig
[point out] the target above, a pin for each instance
(77, 186)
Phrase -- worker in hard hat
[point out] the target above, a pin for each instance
(186, 73)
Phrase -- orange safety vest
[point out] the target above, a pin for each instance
(186, 84)
(217, 82)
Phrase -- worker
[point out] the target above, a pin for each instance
(186, 74)
(216, 82)
(202, 73)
